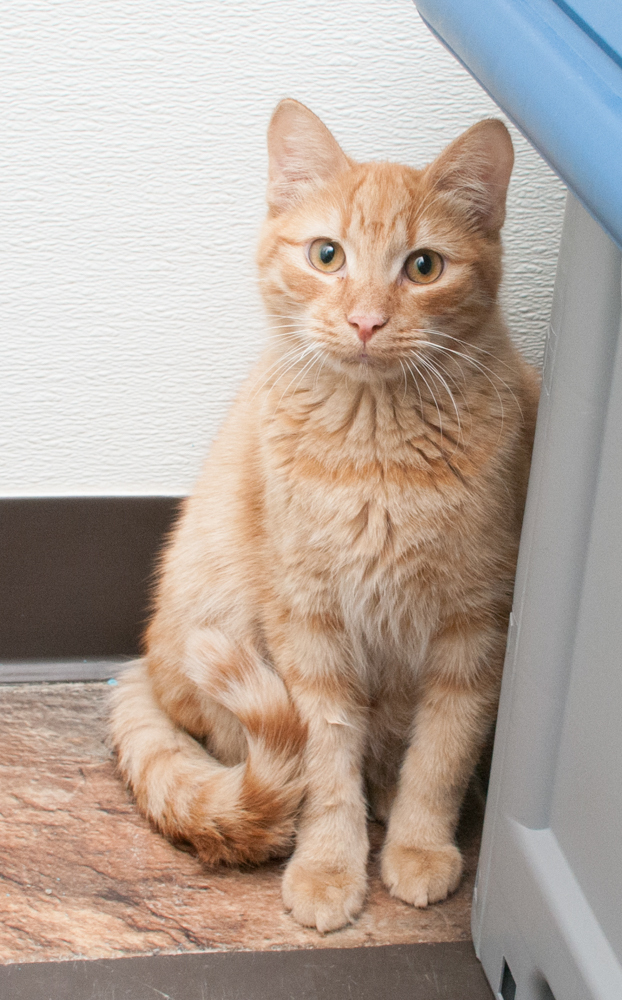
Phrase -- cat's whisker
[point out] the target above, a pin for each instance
(458, 366)
(434, 375)
(281, 362)
(286, 333)
(486, 372)
(431, 391)
(282, 357)
(300, 327)
(405, 381)
(323, 356)
(283, 319)
(289, 330)
(281, 315)
(291, 359)
(450, 377)
(315, 358)
(461, 354)
(289, 336)
(290, 353)
(285, 326)
(286, 337)
(435, 371)
(472, 347)
(416, 384)
(296, 379)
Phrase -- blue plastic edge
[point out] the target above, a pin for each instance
(556, 84)
(589, 30)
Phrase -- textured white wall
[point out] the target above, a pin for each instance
(132, 174)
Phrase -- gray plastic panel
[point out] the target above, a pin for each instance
(543, 902)
(586, 813)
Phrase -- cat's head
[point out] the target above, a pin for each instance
(364, 263)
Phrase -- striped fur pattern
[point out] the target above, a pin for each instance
(242, 813)
(331, 611)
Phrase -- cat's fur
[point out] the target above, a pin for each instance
(331, 615)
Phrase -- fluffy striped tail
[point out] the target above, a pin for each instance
(242, 814)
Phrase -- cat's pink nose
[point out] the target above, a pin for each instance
(367, 325)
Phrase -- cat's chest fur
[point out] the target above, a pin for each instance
(363, 499)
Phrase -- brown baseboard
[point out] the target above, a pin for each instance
(75, 582)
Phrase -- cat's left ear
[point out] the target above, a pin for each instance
(476, 168)
(302, 154)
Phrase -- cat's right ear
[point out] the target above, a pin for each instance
(476, 168)
(302, 154)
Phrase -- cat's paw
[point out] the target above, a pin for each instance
(421, 875)
(322, 897)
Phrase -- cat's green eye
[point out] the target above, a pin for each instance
(424, 266)
(327, 255)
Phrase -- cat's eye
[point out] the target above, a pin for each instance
(327, 255)
(424, 266)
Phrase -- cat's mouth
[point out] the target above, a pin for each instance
(363, 360)
(364, 357)
(366, 360)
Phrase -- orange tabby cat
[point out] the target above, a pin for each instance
(330, 620)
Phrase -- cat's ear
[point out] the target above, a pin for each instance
(476, 167)
(302, 153)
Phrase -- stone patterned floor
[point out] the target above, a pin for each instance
(82, 875)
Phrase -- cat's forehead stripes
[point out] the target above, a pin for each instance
(381, 212)
(375, 191)
(377, 204)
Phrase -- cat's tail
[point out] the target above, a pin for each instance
(242, 814)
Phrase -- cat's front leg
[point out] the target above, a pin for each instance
(325, 881)
(420, 862)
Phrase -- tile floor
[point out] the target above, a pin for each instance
(82, 875)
